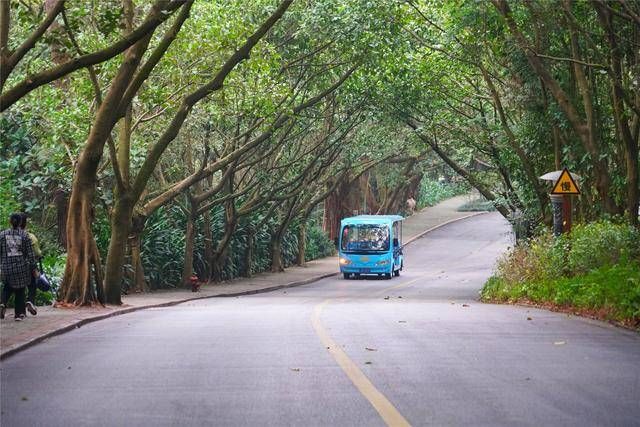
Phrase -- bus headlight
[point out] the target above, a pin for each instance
(383, 262)
(345, 261)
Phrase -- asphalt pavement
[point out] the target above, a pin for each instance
(418, 349)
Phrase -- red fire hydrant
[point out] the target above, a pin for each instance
(195, 285)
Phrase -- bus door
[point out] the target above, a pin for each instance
(397, 244)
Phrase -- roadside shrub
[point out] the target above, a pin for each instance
(53, 266)
(602, 243)
(318, 244)
(477, 205)
(9, 205)
(162, 248)
(595, 269)
(433, 192)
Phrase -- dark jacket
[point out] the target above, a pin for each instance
(16, 258)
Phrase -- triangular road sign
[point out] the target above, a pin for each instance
(565, 184)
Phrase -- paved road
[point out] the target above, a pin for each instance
(339, 353)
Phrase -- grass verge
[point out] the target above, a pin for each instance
(594, 272)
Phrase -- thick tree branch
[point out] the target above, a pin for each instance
(14, 94)
(190, 100)
(17, 55)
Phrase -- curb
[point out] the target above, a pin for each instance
(20, 347)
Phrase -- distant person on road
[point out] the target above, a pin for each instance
(17, 266)
(411, 206)
(37, 253)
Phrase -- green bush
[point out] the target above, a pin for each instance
(601, 243)
(9, 205)
(318, 244)
(164, 239)
(595, 269)
(477, 205)
(610, 292)
(433, 192)
(162, 249)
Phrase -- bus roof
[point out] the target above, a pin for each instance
(372, 219)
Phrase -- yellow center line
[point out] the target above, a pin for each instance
(380, 403)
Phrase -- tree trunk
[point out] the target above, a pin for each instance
(248, 255)
(138, 222)
(189, 244)
(633, 182)
(277, 265)
(139, 281)
(622, 123)
(331, 216)
(120, 227)
(302, 243)
(220, 255)
(208, 243)
(61, 201)
(218, 263)
(77, 287)
(82, 250)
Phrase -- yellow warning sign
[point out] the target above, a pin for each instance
(565, 184)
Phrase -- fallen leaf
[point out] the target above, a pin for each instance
(529, 318)
(465, 305)
(295, 369)
(560, 343)
(371, 349)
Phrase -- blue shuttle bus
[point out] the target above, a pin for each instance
(371, 244)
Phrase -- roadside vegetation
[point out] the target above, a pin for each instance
(594, 271)
(479, 204)
(433, 192)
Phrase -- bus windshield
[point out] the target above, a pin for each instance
(365, 238)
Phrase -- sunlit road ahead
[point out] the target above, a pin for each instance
(417, 349)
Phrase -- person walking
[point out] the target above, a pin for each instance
(17, 265)
(37, 253)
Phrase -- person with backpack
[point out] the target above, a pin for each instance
(17, 266)
(37, 253)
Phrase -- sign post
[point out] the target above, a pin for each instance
(565, 186)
